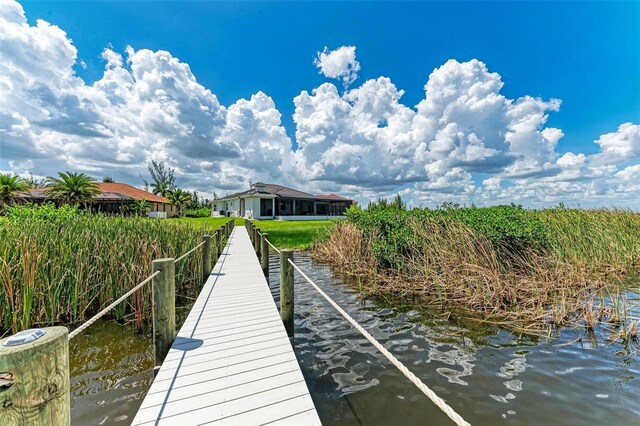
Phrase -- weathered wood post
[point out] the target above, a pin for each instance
(206, 257)
(164, 307)
(286, 290)
(264, 254)
(250, 231)
(34, 378)
(214, 246)
(256, 244)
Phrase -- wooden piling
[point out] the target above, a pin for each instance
(286, 290)
(164, 307)
(257, 243)
(34, 380)
(206, 257)
(264, 254)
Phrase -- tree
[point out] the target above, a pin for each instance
(139, 207)
(179, 198)
(33, 182)
(108, 179)
(10, 188)
(398, 203)
(164, 180)
(72, 187)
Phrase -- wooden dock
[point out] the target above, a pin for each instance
(232, 362)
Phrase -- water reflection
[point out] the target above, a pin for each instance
(487, 374)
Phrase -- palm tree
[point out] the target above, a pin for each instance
(179, 198)
(72, 187)
(10, 188)
(161, 188)
(140, 207)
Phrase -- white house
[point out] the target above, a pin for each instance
(269, 201)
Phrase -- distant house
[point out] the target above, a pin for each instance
(270, 201)
(114, 198)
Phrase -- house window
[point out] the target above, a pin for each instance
(266, 207)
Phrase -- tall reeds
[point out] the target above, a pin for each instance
(62, 270)
(575, 256)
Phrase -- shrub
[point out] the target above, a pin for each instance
(202, 212)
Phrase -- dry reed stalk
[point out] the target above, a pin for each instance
(526, 291)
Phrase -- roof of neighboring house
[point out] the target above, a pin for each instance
(334, 197)
(270, 189)
(130, 191)
(42, 194)
(260, 188)
(108, 192)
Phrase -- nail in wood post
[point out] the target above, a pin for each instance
(264, 254)
(286, 290)
(34, 378)
(206, 257)
(164, 307)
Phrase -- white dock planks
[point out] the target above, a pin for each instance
(232, 362)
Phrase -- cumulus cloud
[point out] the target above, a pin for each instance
(339, 63)
(465, 141)
(147, 105)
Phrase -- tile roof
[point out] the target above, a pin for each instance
(130, 191)
(282, 191)
(334, 197)
(270, 189)
(108, 192)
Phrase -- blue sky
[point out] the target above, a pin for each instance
(517, 93)
(586, 54)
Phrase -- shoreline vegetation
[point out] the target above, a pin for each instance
(527, 270)
(61, 265)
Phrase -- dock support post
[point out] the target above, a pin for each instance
(256, 244)
(206, 257)
(286, 290)
(164, 307)
(34, 379)
(216, 245)
(264, 254)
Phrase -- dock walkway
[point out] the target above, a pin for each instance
(232, 362)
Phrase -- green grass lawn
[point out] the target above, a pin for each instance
(299, 235)
(294, 234)
(209, 222)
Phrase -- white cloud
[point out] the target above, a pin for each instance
(464, 141)
(620, 146)
(339, 63)
(149, 106)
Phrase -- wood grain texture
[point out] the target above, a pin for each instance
(40, 393)
(164, 307)
(232, 362)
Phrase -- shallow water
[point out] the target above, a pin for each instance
(488, 375)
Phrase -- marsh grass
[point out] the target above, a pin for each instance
(60, 270)
(564, 280)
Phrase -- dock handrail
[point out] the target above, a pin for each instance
(100, 314)
(103, 312)
(439, 402)
(48, 348)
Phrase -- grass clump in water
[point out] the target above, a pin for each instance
(527, 269)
